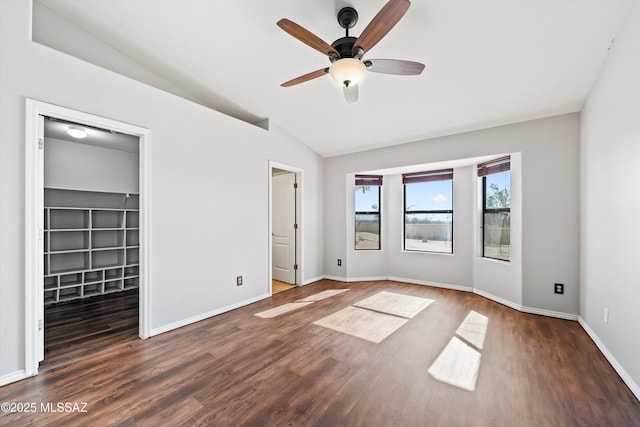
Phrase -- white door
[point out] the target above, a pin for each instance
(283, 219)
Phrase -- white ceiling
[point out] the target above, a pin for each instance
(57, 129)
(487, 62)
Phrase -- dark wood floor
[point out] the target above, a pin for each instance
(237, 369)
(79, 328)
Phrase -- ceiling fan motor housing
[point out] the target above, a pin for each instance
(344, 46)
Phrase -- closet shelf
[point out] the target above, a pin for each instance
(66, 251)
(89, 251)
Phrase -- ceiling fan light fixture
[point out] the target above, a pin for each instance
(77, 132)
(347, 71)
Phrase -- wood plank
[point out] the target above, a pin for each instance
(78, 328)
(241, 370)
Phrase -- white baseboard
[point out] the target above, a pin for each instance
(434, 284)
(635, 388)
(312, 280)
(498, 299)
(13, 377)
(199, 317)
(524, 309)
(365, 279)
(336, 278)
(550, 313)
(531, 310)
(399, 279)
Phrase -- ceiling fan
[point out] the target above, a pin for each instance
(347, 66)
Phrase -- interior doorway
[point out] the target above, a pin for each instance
(285, 231)
(86, 218)
(91, 240)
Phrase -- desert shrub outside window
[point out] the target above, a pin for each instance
(367, 212)
(496, 208)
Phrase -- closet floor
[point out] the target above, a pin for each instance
(82, 327)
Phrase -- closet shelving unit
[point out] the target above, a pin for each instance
(89, 251)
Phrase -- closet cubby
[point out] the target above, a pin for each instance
(89, 251)
(113, 273)
(131, 283)
(50, 296)
(69, 293)
(102, 218)
(68, 241)
(132, 256)
(93, 276)
(68, 219)
(131, 271)
(50, 282)
(64, 262)
(132, 220)
(113, 286)
(133, 238)
(101, 239)
(107, 258)
(71, 279)
(92, 289)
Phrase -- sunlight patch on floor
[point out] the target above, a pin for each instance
(292, 306)
(322, 295)
(284, 308)
(407, 306)
(474, 329)
(459, 363)
(366, 324)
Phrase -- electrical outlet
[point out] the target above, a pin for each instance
(606, 315)
(339, 262)
(239, 281)
(559, 288)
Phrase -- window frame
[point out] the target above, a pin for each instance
(371, 181)
(418, 178)
(492, 167)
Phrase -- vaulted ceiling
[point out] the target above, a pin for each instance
(487, 62)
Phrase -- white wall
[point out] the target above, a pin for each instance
(53, 30)
(76, 166)
(58, 32)
(610, 204)
(545, 252)
(496, 278)
(209, 185)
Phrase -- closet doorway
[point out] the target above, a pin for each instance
(285, 230)
(87, 286)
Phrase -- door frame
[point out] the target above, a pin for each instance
(34, 220)
(299, 201)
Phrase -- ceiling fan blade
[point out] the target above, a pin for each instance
(306, 37)
(381, 24)
(394, 66)
(351, 93)
(305, 78)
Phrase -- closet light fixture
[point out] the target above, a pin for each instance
(77, 132)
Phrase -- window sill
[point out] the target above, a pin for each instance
(428, 253)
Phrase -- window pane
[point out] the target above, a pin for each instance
(498, 190)
(428, 232)
(429, 196)
(367, 231)
(497, 235)
(367, 198)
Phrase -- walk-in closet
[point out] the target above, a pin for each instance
(91, 239)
